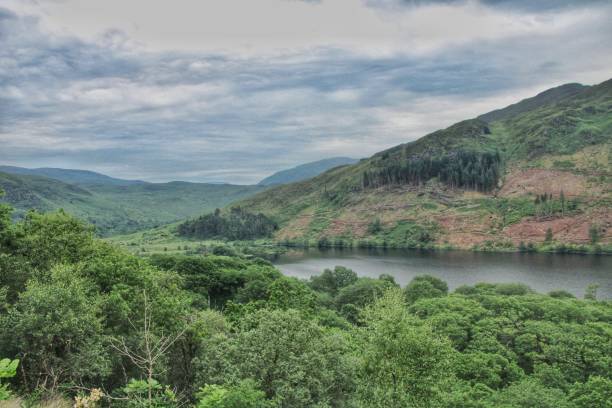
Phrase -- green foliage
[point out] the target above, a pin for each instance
(148, 394)
(237, 225)
(404, 363)
(290, 293)
(596, 392)
(464, 169)
(331, 281)
(212, 280)
(561, 294)
(244, 395)
(529, 394)
(8, 369)
(297, 363)
(375, 227)
(78, 312)
(425, 286)
(350, 299)
(411, 234)
(594, 233)
(549, 235)
(56, 329)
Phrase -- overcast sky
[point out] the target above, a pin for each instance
(233, 90)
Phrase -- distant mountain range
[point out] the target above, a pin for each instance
(305, 171)
(70, 176)
(535, 169)
(118, 206)
(114, 206)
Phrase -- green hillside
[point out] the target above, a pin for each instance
(474, 184)
(115, 209)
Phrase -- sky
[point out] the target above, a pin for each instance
(234, 90)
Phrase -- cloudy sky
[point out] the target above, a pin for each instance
(233, 90)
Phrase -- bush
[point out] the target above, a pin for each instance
(425, 286)
(561, 294)
(8, 369)
(244, 395)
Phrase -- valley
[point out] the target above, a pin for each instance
(118, 208)
(306, 204)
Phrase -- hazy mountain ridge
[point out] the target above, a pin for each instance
(559, 140)
(305, 171)
(70, 176)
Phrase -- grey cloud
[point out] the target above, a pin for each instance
(517, 5)
(162, 116)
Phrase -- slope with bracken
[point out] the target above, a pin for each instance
(536, 171)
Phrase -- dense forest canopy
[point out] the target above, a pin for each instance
(82, 320)
(237, 225)
(462, 169)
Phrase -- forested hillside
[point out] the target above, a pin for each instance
(477, 184)
(85, 324)
(119, 208)
(236, 225)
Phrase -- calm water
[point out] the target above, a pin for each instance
(542, 272)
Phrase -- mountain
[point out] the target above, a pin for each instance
(506, 177)
(547, 97)
(119, 208)
(305, 171)
(70, 176)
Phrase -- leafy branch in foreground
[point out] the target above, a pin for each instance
(8, 369)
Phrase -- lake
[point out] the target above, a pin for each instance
(542, 272)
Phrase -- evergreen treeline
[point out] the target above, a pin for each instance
(547, 205)
(463, 169)
(237, 225)
(86, 324)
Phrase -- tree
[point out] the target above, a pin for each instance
(298, 364)
(562, 200)
(529, 394)
(403, 363)
(549, 235)
(243, 395)
(594, 233)
(56, 331)
(53, 238)
(375, 227)
(239, 224)
(353, 297)
(8, 369)
(5, 222)
(148, 354)
(595, 393)
(291, 293)
(425, 286)
(331, 281)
